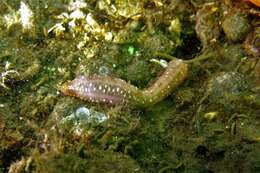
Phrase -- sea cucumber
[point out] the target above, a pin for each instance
(114, 91)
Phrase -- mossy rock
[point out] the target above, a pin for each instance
(236, 26)
(228, 89)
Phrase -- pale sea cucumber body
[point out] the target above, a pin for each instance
(102, 89)
(114, 91)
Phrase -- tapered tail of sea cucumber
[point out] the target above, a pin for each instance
(174, 75)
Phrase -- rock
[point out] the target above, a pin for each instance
(252, 43)
(236, 26)
(226, 88)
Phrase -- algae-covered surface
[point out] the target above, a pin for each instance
(210, 123)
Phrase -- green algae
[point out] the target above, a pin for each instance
(204, 126)
(95, 162)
